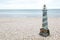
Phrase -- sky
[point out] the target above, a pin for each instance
(29, 4)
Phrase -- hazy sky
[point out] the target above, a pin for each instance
(29, 4)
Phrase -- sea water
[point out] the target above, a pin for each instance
(28, 13)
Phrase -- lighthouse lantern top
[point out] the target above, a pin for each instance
(44, 8)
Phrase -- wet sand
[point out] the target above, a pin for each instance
(28, 29)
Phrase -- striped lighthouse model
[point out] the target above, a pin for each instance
(44, 20)
(44, 31)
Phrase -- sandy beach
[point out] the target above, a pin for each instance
(28, 29)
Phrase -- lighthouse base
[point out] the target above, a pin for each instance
(44, 32)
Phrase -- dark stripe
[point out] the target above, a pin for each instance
(44, 14)
(44, 19)
(44, 24)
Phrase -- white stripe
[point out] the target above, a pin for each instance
(44, 16)
(45, 27)
(45, 21)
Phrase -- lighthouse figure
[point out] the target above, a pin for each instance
(44, 31)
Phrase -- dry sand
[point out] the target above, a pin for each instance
(27, 29)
